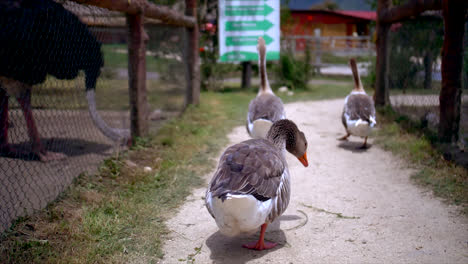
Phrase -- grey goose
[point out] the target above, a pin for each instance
(251, 186)
(358, 115)
(266, 107)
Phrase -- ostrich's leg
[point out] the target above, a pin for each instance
(4, 146)
(37, 146)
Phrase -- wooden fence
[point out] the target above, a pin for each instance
(335, 45)
(136, 11)
(352, 45)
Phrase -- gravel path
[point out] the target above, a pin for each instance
(348, 206)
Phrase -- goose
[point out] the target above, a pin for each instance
(266, 107)
(251, 186)
(358, 115)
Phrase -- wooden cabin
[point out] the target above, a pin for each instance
(334, 26)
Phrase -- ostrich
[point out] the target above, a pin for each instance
(37, 38)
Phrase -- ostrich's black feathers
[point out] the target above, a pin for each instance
(40, 37)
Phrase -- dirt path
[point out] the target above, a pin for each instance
(348, 206)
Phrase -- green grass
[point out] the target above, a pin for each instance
(333, 59)
(418, 146)
(116, 56)
(111, 94)
(313, 91)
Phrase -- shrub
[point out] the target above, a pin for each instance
(213, 73)
(292, 72)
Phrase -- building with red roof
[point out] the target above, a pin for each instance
(328, 23)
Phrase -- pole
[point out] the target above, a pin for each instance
(137, 39)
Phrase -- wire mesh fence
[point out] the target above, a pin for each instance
(34, 172)
(415, 72)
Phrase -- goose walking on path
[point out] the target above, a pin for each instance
(358, 115)
(266, 108)
(251, 186)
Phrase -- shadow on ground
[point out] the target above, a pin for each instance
(229, 249)
(354, 146)
(71, 147)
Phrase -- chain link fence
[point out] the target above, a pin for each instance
(60, 108)
(415, 72)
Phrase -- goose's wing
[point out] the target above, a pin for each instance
(359, 106)
(266, 106)
(252, 167)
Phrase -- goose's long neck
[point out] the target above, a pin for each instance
(264, 85)
(282, 133)
(357, 79)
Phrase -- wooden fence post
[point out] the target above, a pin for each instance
(246, 74)
(318, 50)
(452, 60)
(381, 96)
(193, 69)
(137, 39)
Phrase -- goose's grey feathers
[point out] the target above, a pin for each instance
(252, 167)
(266, 106)
(358, 106)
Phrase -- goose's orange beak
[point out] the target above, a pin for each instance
(303, 160)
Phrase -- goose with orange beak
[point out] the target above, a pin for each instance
(251, 186)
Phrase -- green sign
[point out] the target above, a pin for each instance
(247, 56)
(242, 22)
(246, 40)
(263, 25)
(248, 10)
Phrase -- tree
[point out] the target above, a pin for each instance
(326, 5)
(454, 12)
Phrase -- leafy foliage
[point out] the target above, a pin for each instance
(293, 72)
(212, 72)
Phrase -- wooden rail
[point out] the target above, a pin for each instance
(133, 7)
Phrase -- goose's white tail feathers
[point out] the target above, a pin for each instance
(239, 213)
(259, 128)
(360, 127)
